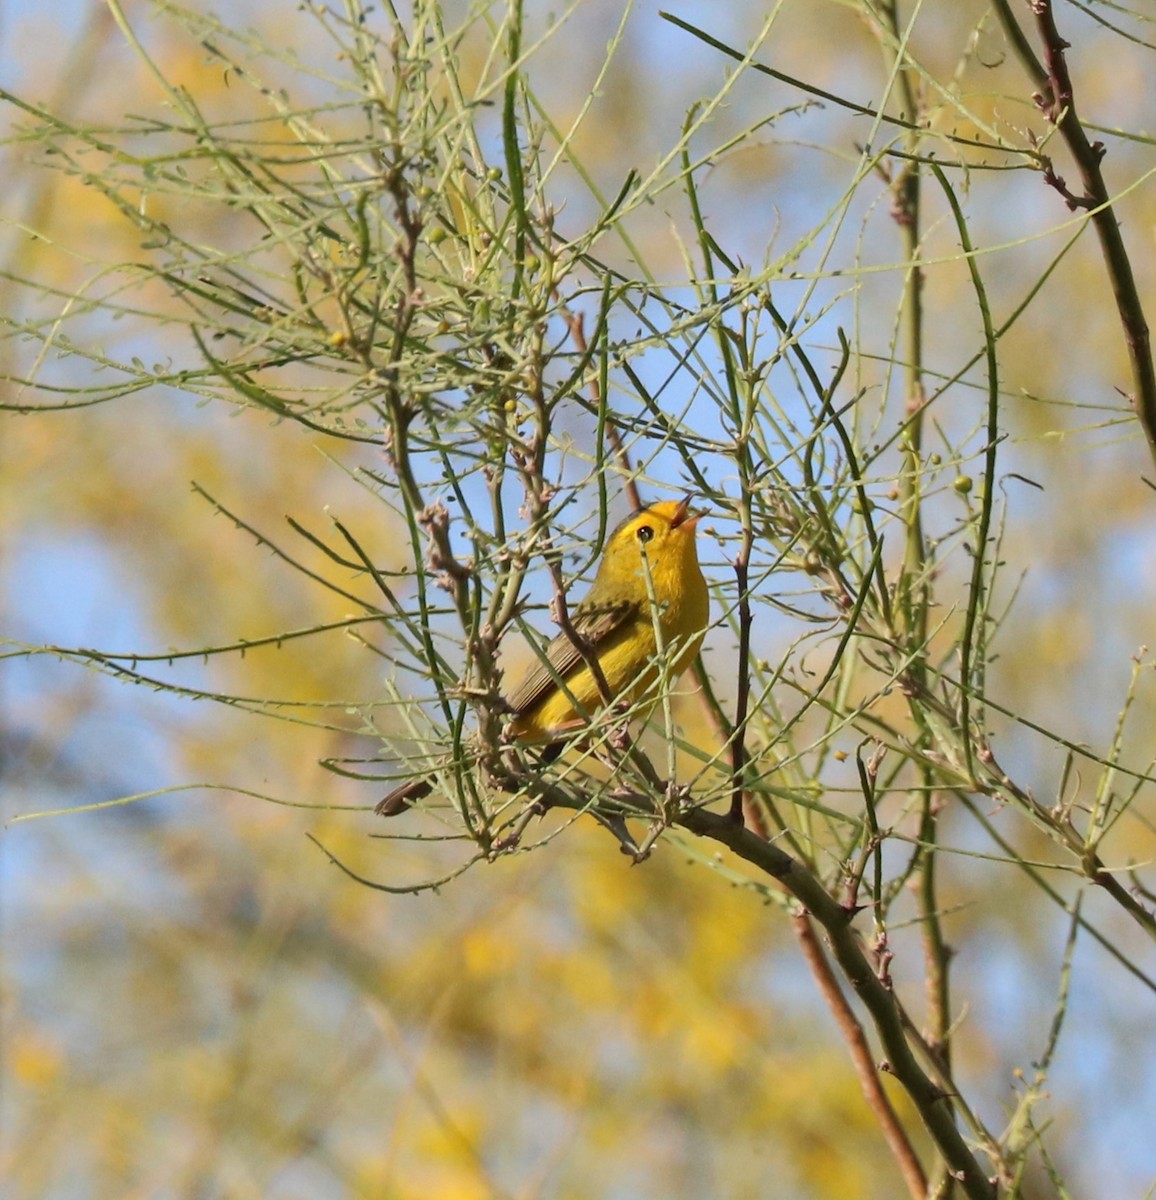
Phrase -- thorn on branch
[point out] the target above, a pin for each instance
(513, 839)
(435, 519)
(883, 957)
(1070, 198)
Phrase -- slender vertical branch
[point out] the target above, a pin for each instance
(893, 1132)
(1055, 96)
(576, 326)
(742, 566)
(912, 591)
(875, 992)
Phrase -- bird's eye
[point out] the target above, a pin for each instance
(645, 533)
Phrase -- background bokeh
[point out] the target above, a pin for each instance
(196, 1003)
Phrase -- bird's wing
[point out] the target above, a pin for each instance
(595, 623)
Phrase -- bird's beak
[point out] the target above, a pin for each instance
(682, 514)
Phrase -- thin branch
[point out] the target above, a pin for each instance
(893, 1131)
(1055, 96)
(877, 996)
(576, 326)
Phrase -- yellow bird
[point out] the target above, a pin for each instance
(618, 622)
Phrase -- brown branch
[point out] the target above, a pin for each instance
(874, 992)
(1056, 99)
(853, 1035)
(578, 336)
